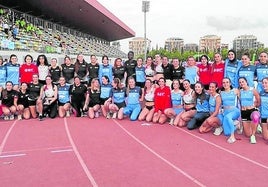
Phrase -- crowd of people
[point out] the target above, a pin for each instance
(223, 96)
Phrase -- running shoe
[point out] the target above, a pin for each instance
(67, 113)
(114, 115)
(11, 117)
(259, 129)
(171, 122)
(218, 131)
(19, 117)
(239, 127)
(108, 116)
(231, 140)
(253, 139)
(40, 117)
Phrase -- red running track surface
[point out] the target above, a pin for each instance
(101, 152)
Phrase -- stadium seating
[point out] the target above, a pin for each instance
(42, 40)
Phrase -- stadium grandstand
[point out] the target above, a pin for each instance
(48, 27)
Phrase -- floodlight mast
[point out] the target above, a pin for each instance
(145, 9)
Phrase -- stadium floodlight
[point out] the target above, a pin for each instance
(145, 8)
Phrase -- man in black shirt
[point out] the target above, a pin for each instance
(167, 68)
(130, 65)
(178, 71)
(93, 69)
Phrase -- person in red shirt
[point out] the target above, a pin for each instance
(204, 71)
(162, 101)
(28, 69)
(217, 70)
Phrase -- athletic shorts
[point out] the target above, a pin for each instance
(120, 105)
(263, 120)
(62, 104)
(92, 104)
(102, 100)
(32, 102)
(149, 107)
(246, 114)
(140, 84)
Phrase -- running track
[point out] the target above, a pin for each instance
(100, 152)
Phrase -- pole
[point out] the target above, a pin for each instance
(145, 40)
(145, 8)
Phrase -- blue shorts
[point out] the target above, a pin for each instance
(178, 110)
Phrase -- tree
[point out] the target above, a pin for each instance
(183, 55)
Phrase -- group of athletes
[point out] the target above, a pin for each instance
(222, 96)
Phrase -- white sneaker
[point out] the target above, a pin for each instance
(114, 115)
(19, 117)
(231, 140)
(259, 129)
(108, 115)
(218, 131)
(238, 126)
(253, 139)
(11, 117)
(240, 130)
(171, 122)
(6, 118)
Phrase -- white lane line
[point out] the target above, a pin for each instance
(224, 149)
(61, 150)
(36, 149)
(79, 157)
(14, 155)
(6, 137)
(160, 157)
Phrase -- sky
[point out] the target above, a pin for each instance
(192, 19)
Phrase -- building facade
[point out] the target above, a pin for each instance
(244, 42)
(137, 45)
(210, 43)
(174, 44)
(190, 47)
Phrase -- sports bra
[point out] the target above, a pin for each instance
(149, 96)
(159, 69)
(188, 98)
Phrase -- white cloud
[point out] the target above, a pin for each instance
(236, 23)
(191, 20)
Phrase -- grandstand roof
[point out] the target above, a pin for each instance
(88, 16)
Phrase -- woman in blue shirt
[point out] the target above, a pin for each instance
(133, 106)
(105, 69)
(176, 101)
(231, 111)
(232, 66)
(117, 99)
(202, 107)
(63, 98)
(214, 107)
(264, 108)
(3, 73)
(250, 101)
(248, 71)
(140, 73)
(262, 70)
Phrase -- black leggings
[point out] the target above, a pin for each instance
(51, 110)
(78, 106)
